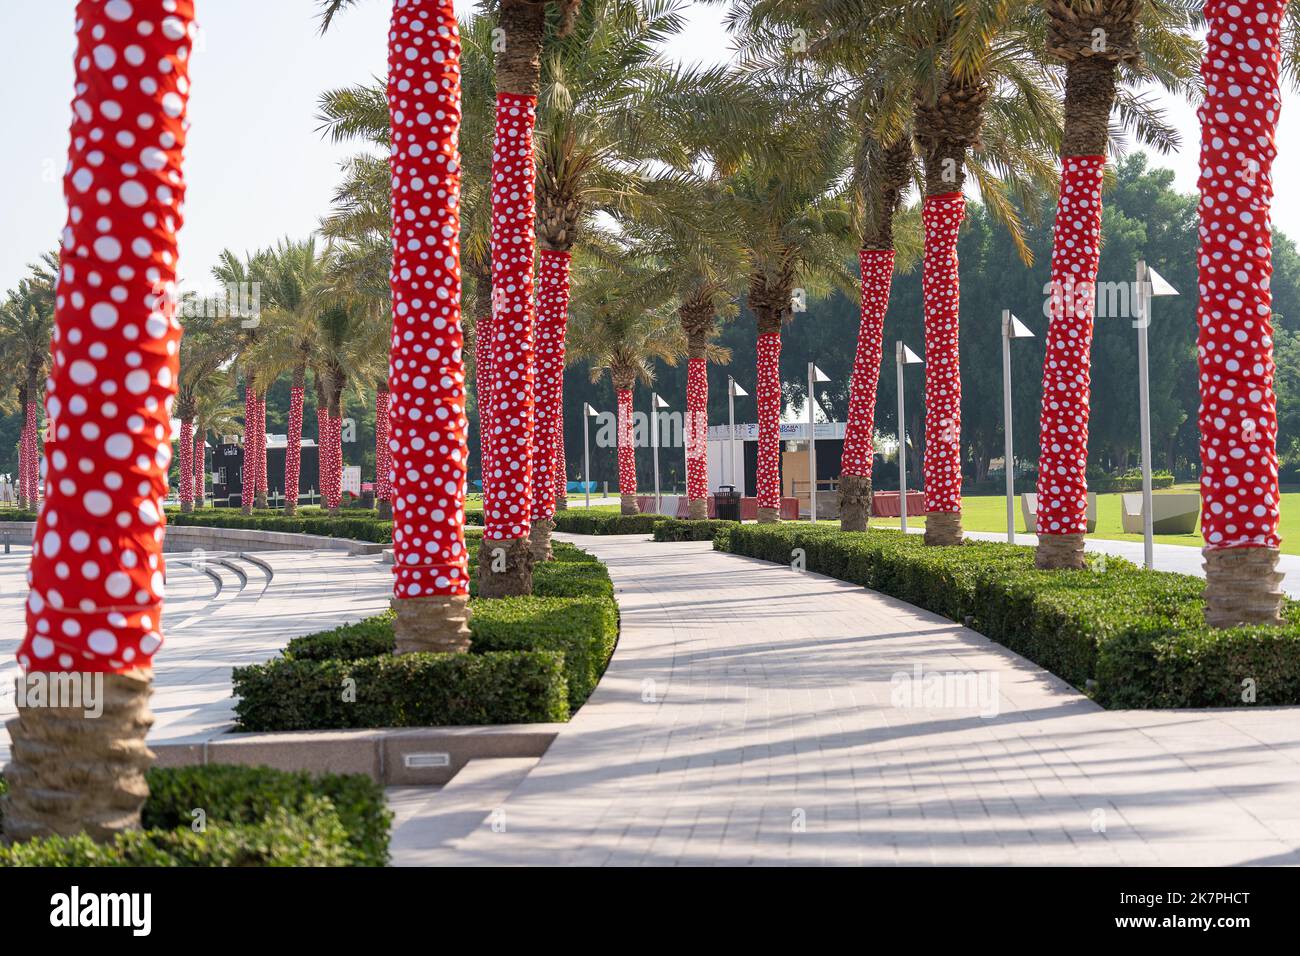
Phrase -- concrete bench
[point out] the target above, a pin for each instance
(1029, 512)
(1173, 513)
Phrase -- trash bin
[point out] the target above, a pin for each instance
(726, 503)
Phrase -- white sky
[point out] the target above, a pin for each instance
(256, 166)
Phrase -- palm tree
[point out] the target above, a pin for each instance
(216, 410)
(974, 70)
(1238, 417)
(294, 276)
(205, 354)
(26, 322)
(682, 224)
(795, 224)
(107, 461)
(236, 273)
(506, 560)
(620, 329)
(595, 110)
(1100, 42)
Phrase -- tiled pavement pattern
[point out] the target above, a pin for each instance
(263, 600)
(747, 719)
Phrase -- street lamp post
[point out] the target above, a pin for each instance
(733, 389)
(1149, 285)
(656, 403)
(587, 412)
(903, 356)
(815, 375)
(1012, 328)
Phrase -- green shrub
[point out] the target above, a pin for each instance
(365, 526)
(252, 816)
(413, 690)
(233, 794)
(1140, 635)
(584, 630)
(674, 529)
(313, 836)
(597, 522)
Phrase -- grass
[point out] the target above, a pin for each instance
(989, 513)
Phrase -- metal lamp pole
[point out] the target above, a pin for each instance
(587, 412)
(903, 356)
(1149, 284)
(1012, 328)
(733, 389)
(815, 375)
(656, 403)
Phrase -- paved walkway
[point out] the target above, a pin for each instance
(750, 716)
(227, 611)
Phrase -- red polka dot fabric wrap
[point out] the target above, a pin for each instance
(626, 444)
(293, 460)
(877, 266)
(697, 429)
(1238, 415)
(552, 318)
(97, 569)
(29, 455)
(561, 465)
(185, 448)
(941, 217)
(768, 402)
(383, 453)
(426, 377)
(508, 491)
(1063, 420)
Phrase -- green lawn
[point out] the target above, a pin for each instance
(989, 513)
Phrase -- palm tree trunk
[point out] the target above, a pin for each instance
(334, 436)
(71, 771)
(293, 452)
(941, 216)
(767, 400)
(626, 449)
(186, 449)
(1238, 415)
(200, 466)
(20, 485)
(426, 376)
(697, 426)
(29, 452)
(562, 465)
(383, 456)
(1076, 250)
(552, 318)
(260, 497)
(322, 451)
(248, 475)
(877, 267)
(505, 560)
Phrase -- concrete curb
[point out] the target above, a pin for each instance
(399, 756)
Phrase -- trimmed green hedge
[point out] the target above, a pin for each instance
(231, 793)
(413, 690)
(1140, 635)
(583, 629)
(13, 514)
(597, 522)
(252, 816)
(364, 527)
(676, 529)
